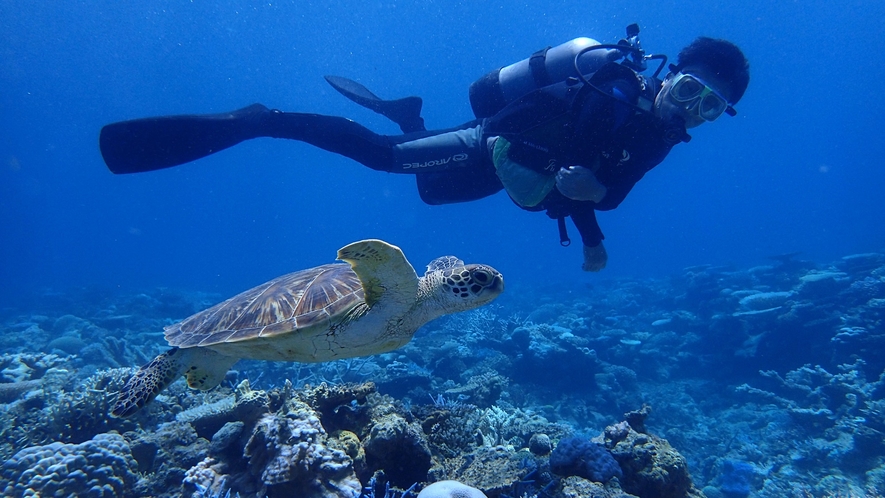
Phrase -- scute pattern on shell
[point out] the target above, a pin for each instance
(287, 303)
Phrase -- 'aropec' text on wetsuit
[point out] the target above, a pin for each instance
(435, 162)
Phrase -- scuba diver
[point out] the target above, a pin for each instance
(568, 131)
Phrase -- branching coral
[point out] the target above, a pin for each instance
(818, 398)
(74, 416)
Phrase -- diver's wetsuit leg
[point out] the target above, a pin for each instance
(331, 133)
(161, 142)
(412, 153)
(460, 185)
(449, 165)
(454, 149)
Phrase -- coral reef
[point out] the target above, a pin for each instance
(769, 381)
(578, 456)
(398, 446)
(450, 489)
(287, 454)
(22, 367)
(540, 444)
(576, 487)
(492, 469)
(100, 467)
(736, 478)
(651, 467)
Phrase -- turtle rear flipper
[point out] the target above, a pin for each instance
(149, 381)
(204, 369)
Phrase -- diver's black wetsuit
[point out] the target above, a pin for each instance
(564, 124)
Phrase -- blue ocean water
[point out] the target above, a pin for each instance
(799, 169)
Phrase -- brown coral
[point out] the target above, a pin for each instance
(651, 466)
(493, 469)
(287, 452)
(400, 448)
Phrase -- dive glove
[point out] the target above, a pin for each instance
(595, 258)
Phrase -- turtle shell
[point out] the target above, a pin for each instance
(318, 296)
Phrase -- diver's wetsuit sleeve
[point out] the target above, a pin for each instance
(619, 181)
(617, 189)
(583, 216)
(638, 148)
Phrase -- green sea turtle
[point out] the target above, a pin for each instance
(371, 305)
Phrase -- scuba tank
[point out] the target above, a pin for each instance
(492, 92)
(573, 59)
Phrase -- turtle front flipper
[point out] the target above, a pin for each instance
(383, 270)
(149, 381)
(207, 369)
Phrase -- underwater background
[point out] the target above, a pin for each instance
(743, 300)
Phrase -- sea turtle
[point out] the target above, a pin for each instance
(371, 305)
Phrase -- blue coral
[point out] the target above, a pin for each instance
(578, 456)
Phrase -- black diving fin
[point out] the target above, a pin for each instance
(405, 112)
(155, 143)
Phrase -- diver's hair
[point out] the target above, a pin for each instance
(723, 58)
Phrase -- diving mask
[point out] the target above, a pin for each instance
(697, 97)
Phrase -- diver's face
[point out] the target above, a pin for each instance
(668, 108)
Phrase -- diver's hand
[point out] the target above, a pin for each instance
(579, 184)
(595, 258)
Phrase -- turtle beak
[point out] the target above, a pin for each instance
(497, 284)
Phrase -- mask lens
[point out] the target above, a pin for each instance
(711, 107)
(687, 88)
(695, 94)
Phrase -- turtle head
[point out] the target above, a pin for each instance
(454, 286)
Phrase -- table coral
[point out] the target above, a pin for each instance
(495, 470)
(11, 391)
(764, 300)
(20, 367)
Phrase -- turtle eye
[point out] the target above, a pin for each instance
(482, 277)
